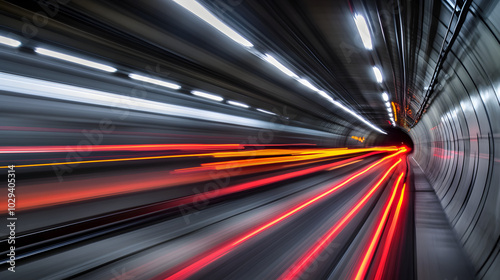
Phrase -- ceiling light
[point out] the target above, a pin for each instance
(363, 30)
(452, 5)
(280, 66)
(394, 108)
(378, 74)
(388, 104)
(308, 84)
(40, 88)
(9, 42)
(385, 96)
(154, 81)
(74, 59)
(207, 95)
(239, 104)
(200, 11)
(266, 112)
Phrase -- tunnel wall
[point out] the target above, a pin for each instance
(457, 141)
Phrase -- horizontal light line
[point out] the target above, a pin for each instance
(154, 81)
(280, 66)
(395, 112)
(363, 30)
(41, 88)
(75, 59)
(238, 104)
(207, 95)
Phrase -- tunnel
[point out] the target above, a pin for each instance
(239, 139)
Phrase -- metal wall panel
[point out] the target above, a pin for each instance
(457, 142)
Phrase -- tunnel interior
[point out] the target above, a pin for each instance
(395, 137)
(197, 139)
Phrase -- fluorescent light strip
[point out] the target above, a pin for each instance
(363, 30)
(452, 5)
(207, 95)
(35, 87)
(238, 104)
(378, 74)
(308, 84)
(266, 112)
(154, 81)
(385, 96)
(280, 66)
(9, 42)
(387, 104)
(74, 59)
(200, 11)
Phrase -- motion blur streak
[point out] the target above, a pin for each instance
(226, 139)
(363, 267)
(320, 153)
(301, 264)
(108, 148)
(191, 268)
(104, 189)
(388, 241)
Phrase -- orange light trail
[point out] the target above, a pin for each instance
(113, 148)
(395, 112)
(303, 262)
(315, 153)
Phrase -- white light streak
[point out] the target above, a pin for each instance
(75, 59)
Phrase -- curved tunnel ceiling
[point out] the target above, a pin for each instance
(333, 74)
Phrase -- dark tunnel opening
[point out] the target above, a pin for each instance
(395, 137)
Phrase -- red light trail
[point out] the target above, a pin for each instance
(191, 267)
(303, 262)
